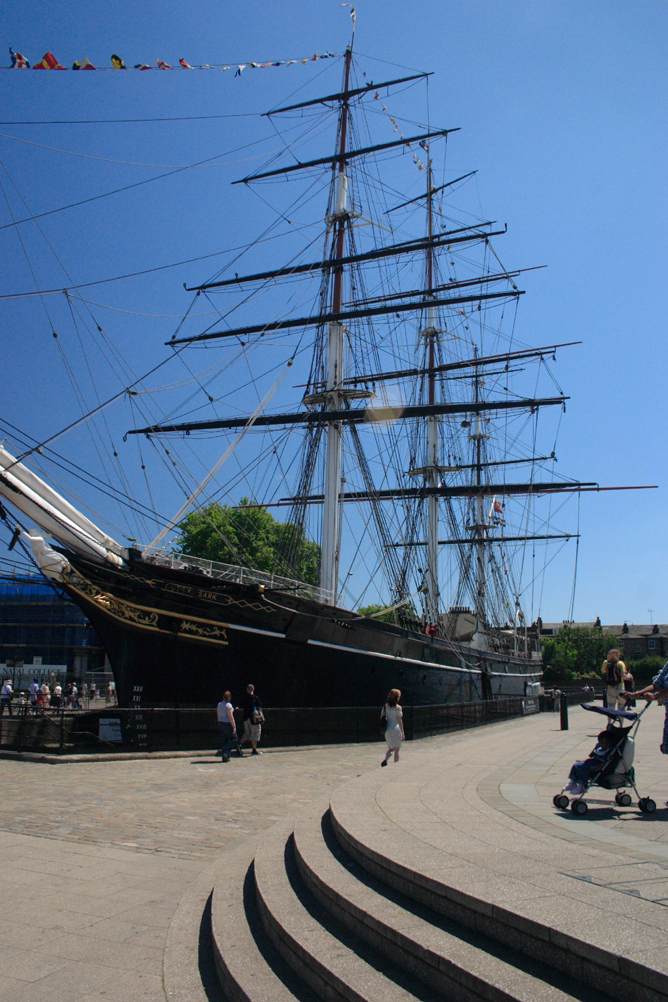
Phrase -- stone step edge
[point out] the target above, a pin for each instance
(592, 966)
(448, 964)
(326, 964)
(243, 972)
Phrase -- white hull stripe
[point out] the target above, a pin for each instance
(388, 657)
(421, 664)
(253, 629)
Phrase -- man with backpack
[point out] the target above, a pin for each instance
(613, 673)
(253, 719)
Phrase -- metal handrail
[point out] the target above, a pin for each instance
(242, 575)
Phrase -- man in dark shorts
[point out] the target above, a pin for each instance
(250, 704)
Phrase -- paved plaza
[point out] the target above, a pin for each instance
(108, 866)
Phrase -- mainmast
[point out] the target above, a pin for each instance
(431, 466)
(334, 395)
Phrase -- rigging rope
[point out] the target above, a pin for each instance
(223, 459)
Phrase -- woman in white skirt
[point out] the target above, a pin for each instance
(394, 729)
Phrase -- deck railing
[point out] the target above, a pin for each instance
(242, 575)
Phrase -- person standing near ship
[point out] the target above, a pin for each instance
(34, 689)
(6, 697)
(394, 725)
(57, 696)
(226, 726)
(251, 706)
(613, 672)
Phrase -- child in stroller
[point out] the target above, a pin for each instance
(582, 773)
(609, 766)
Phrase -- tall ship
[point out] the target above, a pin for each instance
(393, 447)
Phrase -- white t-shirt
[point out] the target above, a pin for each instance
(7, 690)
(58, 691)
(34, 689)
(223, 717)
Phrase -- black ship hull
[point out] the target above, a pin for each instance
(177, 637)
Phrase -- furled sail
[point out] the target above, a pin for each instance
(53, 514)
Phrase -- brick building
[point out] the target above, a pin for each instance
(635, 642)
(644, 641)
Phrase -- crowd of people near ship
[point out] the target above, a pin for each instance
(41, 697)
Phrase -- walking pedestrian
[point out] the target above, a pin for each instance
(57, 697)
(6, 694)
(613, 672)
(253, 719)
(394, 725)
(226, 725)
(46, 695)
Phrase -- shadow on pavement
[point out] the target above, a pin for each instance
(607, 812)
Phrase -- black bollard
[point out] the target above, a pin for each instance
(563, 707)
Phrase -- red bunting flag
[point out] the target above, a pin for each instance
(48, 62)
(162, 65)
(185, 65)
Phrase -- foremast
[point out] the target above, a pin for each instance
(334, 392)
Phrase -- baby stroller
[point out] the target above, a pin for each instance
(617, 771)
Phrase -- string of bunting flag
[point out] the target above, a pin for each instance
(416, 159)
(49, 62)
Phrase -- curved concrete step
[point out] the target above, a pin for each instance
(334, 970)
(466, 967)
(384, 825)
(248, 967)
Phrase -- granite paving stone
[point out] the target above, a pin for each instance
(40, 992)
(8, 985)
(100, 855)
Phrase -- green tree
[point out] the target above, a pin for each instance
(404, 614)
(371, 610)
(250, 537)
(644, 669)
(574, 652)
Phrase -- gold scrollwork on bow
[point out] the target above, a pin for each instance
(204, 631)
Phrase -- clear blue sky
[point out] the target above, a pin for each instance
(562, 112)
